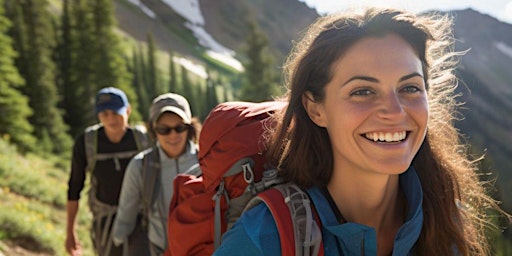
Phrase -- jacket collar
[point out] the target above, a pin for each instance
(353, 233)
(191, 151)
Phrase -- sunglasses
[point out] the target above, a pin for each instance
(164, 130)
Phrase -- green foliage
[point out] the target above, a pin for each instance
(29, 223)
(34, 41)
(13, 105)
(499, 237)
(153, 86)
(137, 70)
(187, 89)
(94, 57)
(13, 170)
(212, 98)
(261, 79)
(173, 81)
(33, 199)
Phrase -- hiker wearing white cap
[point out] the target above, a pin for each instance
(148, 180)
(102, 152)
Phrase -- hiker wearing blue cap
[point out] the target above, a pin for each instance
(102, 152)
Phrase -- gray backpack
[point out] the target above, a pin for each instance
(99, 209)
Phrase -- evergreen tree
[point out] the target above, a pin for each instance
(13, 104)
(173, 82)
(188, 93)
(225, 91)
(261, 79)
(153, 87)
(93, 55)
(138, 83)
(211, 96)
(110, 65)
(81, 89)
(73, 101)
(33, 35)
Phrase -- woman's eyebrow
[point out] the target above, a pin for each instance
(410, 76)
(364, 78)
(375, 80)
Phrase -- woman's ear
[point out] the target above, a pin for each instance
(314, 109)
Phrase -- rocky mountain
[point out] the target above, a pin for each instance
(485, 72)
(486, 87)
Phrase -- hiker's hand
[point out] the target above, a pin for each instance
(73, 246)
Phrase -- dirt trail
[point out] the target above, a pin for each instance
(10, 249)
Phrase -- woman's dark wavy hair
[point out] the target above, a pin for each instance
(454, 200)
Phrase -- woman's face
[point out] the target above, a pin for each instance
(375, 109)
(172, 142)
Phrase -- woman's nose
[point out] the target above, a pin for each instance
(391, 106)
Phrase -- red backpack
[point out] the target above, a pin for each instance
(233, 169)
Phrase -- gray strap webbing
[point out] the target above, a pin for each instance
(101, 210)
(238, 166)
(91, 144)
(150, 170)
(116, 157)
(194, 170)
(307, 233)
(217, 215)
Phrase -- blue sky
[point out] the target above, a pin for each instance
(500, 9)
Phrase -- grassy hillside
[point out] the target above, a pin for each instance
(33, 203)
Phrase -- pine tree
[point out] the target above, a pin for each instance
(13, 104)
(186, 84)
(211, 96)
(261, 79)
(74, 102)
(138, 83)
(33, 35)
(153, 86)
(82, 87)
(94, 57)
(110, 64)
(172, 72)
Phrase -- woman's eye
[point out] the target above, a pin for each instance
(361, 92)
(411, 89)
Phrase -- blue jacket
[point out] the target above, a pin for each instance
(255, 233)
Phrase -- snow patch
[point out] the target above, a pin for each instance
(189, 9)
(227, 59)
(191, 66)
(217, 51)
(504, 48)
(144, 8)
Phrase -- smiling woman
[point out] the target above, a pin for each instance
(367, 133)
(176, 132)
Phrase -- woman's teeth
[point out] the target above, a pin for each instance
(386, 136)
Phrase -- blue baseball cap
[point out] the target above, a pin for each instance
(112, 99)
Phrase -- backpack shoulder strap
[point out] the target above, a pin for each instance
(141, 137)
(91, 145)
(150, 171)
(293, 213)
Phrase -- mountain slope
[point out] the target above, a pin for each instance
(486, 88)
(281, 20)
(485, 73)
